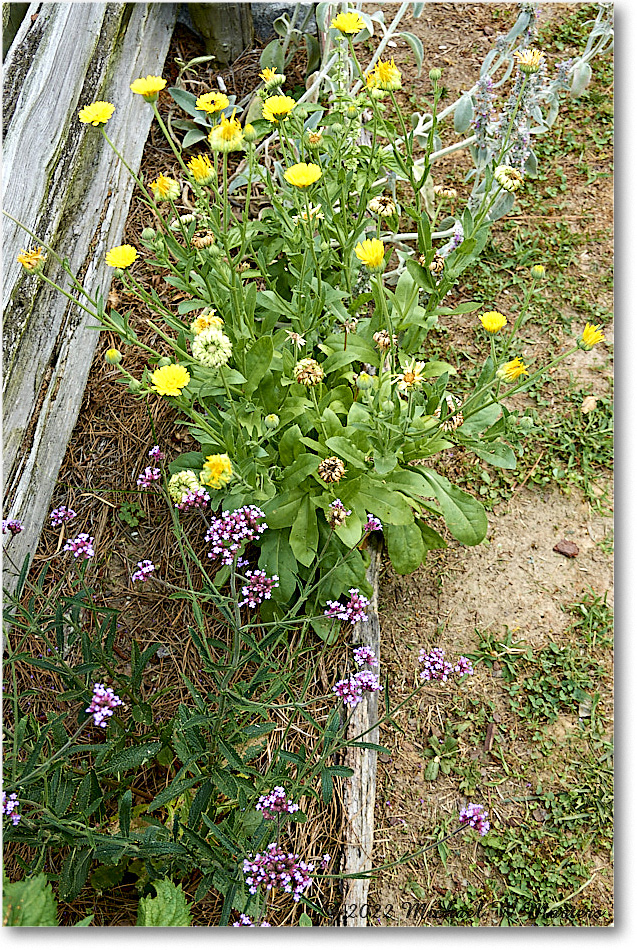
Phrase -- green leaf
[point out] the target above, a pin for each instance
(326, 785)
(304, 534)
(344, 448)
(416, 47)
(192, 137)
(176, 788)
(405, 547)
(304, 920)
(384, 462)
(86, 921)
(186, 100)
(431, 539)
(189, 460)
(74, 873)
(276, 557)
(496, 453)
(133, 757)
(125, 805)
(306, 464)
(437, 368)
(432, 769)
(169, 909)
(389, 506)
(464, 515)
(29, 903)
(258, 361)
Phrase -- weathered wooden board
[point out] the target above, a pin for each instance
(63, 182)
(359, 792)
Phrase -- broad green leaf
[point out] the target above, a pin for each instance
(304, 532)
(384, 463)
(29, 903)
(405, 547)
(463, 114)
(432, 769)
(189, 460)
(389, 506)
(258, 361)
(304, 920)
(415, 44)
(276, 557)
(186, 100)
(74, 873)
(299, 470)
(132, 758)
(282, 511)
(169, 909)
(344, 448)
(464, 515)
(437, 368)
(496, 453)
(431, 539)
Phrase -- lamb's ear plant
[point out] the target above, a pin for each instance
(297, 358)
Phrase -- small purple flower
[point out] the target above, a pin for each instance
(364, 655)
(81, 547)
(275, 868)
(325, 861)
(148, 476)
(463, 666)
(436, 667)
(233, 529)
(12, 525)
(257, 588)
(351, 690)
(353, 611)
(475, 816)
(144, 570)
(275, 803)
(10, 807)
(338, 513)
(156, 454)
(372, 524)
(245, 921)
(195, 498)
(103, 703)
(62, 515)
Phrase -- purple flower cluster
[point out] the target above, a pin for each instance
(61, 515)
(144, 570)
(455, 241)
(81, 547)
(325, 861)
(195, 498)
(275, 868)
(156, 454)
(257, 588)
(483, 96)
(353, 610)
(351, 690)
(372, 524)
(475, 816)
(10, 807)
(275, 802)
(437, 668)
(148, 476)
(233, 529)
(364, 655)
(103, 703)
(12, 525)
(244, 921)
(338, 513)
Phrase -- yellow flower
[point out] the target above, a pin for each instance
(250, 134)
(165, 188)
(149, 88)
(205, 320)
(271, 78)
(538, 271)
(122, 256)
(590, 336)
(372, 80)
(217, 471)
(510, 371)
(411, 376)
(113, 357)
(508, 178)
(302, 175)
(371, 253)
(32, 260)
(277, 107)
(212, 102)
(227, 136)
(529, 60)
(388, 76)
(350, 23)
(170, 380)
(96, 114)
(493, 320)
(202, 170)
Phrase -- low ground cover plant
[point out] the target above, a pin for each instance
(295, 353)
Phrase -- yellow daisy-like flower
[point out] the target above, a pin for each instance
(529, 60)
(202, 170)
(170, 380)
(122, 256)
(411, 376)
(212, 102)
(350, 23)
(204, 321)
(538, 271)
(227, 136)
(165, 188)
(271, 78)
(302, 175)
(493, 320)
(32, 260)
(388, 76)
(591, 335)
(217, 471)
(510, 371)
(149, 88)
(278, 107)
(371, 253)
(96, 114)
(508, 178)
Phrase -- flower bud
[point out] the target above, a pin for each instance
(271, 421)
(387, 406)
(148, 234)
(250, 134)
(435, 74)
(538, 271)
(113, 357)
(135, 386)
(364, 381)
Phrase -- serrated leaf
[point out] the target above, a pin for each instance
(169, 909)
(29, 903)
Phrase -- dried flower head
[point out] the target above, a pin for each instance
(383, 340)
(383, 206)
(454, 419)
(437, 265)
(331, 469)
(338, 513)
(508, 178)
(444, 192)
(201, 239)
(211, 348)
(296, 338)
(308, 372)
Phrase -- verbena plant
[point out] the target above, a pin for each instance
(296, 358)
